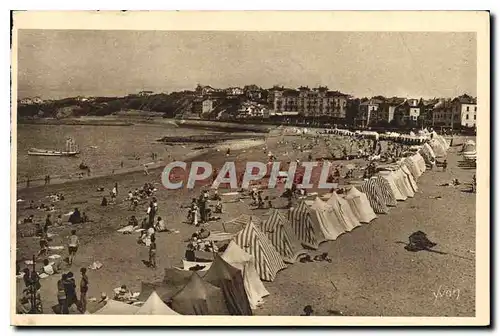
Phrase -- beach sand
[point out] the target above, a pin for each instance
(371, 274)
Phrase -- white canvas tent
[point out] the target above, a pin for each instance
(155, 306)
(254, 288)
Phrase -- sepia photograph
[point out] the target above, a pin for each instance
(310, 168)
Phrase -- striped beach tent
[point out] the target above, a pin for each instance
(305, 228)
(360, 205)
(389, 177)
(410, 178)
(237, 224)
(386, 191)
(282, 236)
(372, 191)
(343, 208)
(268, 261)
(329, 220)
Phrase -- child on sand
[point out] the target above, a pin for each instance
(72, 246)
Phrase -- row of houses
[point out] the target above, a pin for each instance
(278, 100)
(460, 112)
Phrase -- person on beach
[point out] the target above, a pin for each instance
(61, 295)
(59, 220)
(70, 289)
(152, 253)
(218, 207)
(44, 244)
(72, 246)
(75, 217)
(84, 288)
(445, 165)
(49, 268)
(194, 213)
(104, 201)
(28, 182)
(151, 213)
(160, 225)
(146, 172)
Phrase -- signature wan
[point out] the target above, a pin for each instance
(446, 292)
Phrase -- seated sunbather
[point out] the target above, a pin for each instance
(122, 293)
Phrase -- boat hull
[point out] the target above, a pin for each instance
(39, 152)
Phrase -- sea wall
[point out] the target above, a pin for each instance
(224, 126)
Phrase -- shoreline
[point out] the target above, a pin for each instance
(153, 167)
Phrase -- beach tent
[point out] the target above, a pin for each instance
(113, 307)
(409, 176)
(420, 162)
(437, 147)
(412, 168)
(391, 180)
(282, 236)
(254, 288)
(178, 278)
(403, 183)
(237, 224)
(155, 306)
(386, 191)
(374, 195)
(428, 154)
(305, 228)
(344, 212)
(163, 290)
(329, 221)
(268, 261)
(360, 205)
(199, 297)
(230, 280)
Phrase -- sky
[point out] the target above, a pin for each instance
(55, 64)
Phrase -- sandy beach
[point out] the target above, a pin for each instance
(371, 273)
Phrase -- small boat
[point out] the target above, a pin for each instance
(71, 150)
(47, 152)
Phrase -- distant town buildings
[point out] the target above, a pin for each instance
(319, 105)
(368, 112)
(305, 102)
(387, 109)
(455, 113)
(203, 106)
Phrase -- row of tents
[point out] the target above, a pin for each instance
(233, 283)
(412, 138)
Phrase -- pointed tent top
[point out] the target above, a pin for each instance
(235, 254)
(154, 305)
(176, 277)
(114, 307)
(220, 270)
(196, 288)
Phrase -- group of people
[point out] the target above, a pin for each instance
(67, 293)
(199, 210)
